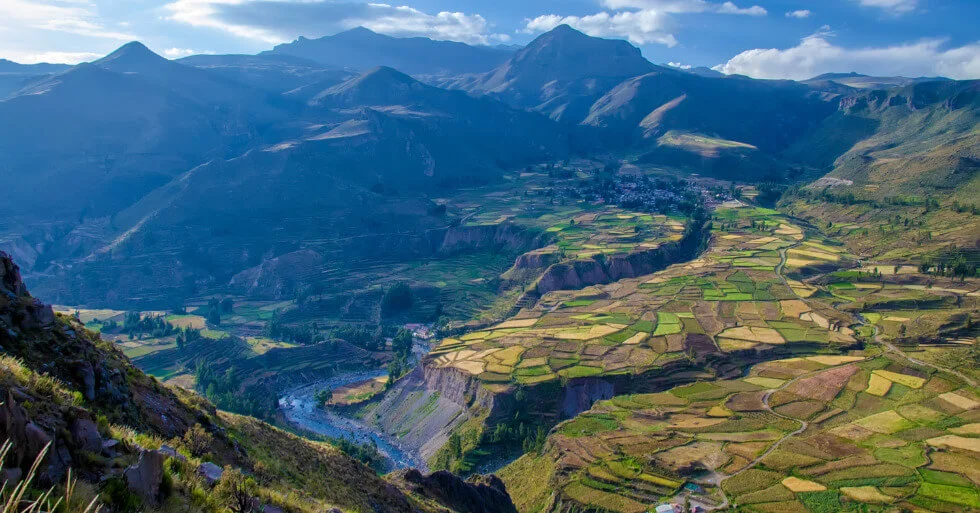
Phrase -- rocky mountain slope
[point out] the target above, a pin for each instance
(141, 446)
(362, 49)
(559, 74)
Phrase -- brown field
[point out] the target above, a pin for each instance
(754, 334)
(746, 401)
(825, 385)
(956, 442)
(959, 401)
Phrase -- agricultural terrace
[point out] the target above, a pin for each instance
(553, 201)
(731, 298)
(814, 434)
(931, 319)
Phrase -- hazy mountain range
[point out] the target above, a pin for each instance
(139, 171)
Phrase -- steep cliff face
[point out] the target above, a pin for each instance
(424, 407)
(576, 274)
(505, 236)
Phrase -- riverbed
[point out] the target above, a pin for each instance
(300, 408)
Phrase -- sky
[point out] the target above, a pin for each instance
(794, 39)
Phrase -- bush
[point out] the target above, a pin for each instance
(197, 440)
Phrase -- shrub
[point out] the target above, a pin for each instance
(197, 440)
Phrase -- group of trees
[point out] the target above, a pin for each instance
(305, 334)
(217, 308)
(396, 299)
(137, 325)
(401, 347)
(224, 389)
(952, 262)
(530, 439)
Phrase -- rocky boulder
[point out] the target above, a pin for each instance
(145, 476)
(210, 472)
(85, 434)
(27, 438)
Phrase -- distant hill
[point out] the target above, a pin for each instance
(381, 131)
(106, 133)
(859, 81)
(560, 74)
(14, 76)
(362, 49)
(270, 72)
(769, 115)
(918, 139)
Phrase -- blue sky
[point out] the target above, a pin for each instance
(762, 38)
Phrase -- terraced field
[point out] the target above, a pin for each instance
(856, 432)
(731, 299)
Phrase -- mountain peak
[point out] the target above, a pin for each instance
(565, 53)
(381, 85)
(357, 31)
(130, 55)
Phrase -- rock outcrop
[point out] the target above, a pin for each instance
(478, 494)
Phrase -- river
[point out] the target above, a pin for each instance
(300, 408)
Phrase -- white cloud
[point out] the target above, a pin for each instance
(730, 8)
(896, 7)
(816, 55)
(49, 57)
(70, 17)
(679, 65)
(176, 53)
(685, 6)
(277, 21)
(639, 27)
(800, 14)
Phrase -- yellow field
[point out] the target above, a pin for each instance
(834, 360)
(866, 494)
(797, 485)
(718, 411)
(754, 334)
(886, 422)
(517, 323)
(636, 339)
(598, 331)
(902, 379)
(969, 429)
(813, 254)
(878, 385)
(765, 382)
(794, 307)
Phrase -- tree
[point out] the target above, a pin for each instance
(213, 316)
(323, 396)
(227, 305)
(401, 344)
(397, 298)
